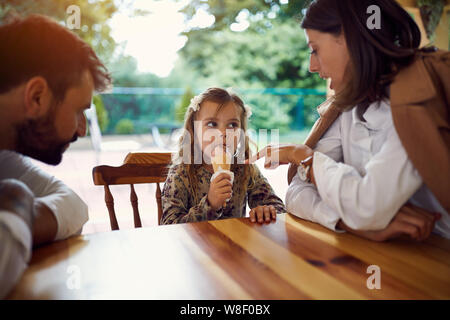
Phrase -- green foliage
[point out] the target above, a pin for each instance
(270, 53)
(124, 126)
(124, 72)
(140, 108)
(226, 12)
(310, 104)
(263, 56)
(94, 17)
(431, 12)
(184, 103)
(102, 114)
(269, 112)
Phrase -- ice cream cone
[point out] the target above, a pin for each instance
(221, 160)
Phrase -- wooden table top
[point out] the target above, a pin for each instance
(235, 259)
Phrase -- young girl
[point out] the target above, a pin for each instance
(216, 118)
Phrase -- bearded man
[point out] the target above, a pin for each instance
(48, 76)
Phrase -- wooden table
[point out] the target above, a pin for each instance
(235, 259)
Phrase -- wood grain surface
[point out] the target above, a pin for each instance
(235, 259)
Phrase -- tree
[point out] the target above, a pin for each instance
(270, 53)
(184, 103)
(102, 114)
(431, 12)
(225, 12)
(94, 17)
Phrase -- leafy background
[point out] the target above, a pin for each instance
(270, 53)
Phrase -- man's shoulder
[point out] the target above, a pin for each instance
(6, 155)
(12, 163)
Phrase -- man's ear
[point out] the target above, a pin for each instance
(37, 97)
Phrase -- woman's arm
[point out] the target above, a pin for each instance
(302, 198)
(303, 201)
(411, 221)
(364, 201)
(370, 200)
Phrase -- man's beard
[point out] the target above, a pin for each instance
(38, 139)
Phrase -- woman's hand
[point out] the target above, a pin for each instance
(276, 155)
(263, 213)
(410, 221)
(219, 191)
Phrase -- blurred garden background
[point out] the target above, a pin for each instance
(254, 46)
(162, 53)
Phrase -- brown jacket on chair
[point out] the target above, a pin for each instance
(420, 99)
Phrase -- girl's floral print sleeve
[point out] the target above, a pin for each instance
(177, 202)
(261, 193)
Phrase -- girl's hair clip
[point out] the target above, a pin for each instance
(195, 103)
(248, 111)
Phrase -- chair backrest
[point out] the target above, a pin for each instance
(137, 168)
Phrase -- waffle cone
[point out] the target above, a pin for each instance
(221, 161)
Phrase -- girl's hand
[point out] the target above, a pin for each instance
(411, 221)
(219, 191)
(263, 213)
(276, 155)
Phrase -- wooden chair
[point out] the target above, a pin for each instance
(137, 168)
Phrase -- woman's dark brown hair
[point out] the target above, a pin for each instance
(376, 55)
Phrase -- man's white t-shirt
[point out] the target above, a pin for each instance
(70, 211)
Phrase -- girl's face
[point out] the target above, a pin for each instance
(218, 127)
(329, 56)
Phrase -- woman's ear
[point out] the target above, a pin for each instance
(340, 39)
(37, 98)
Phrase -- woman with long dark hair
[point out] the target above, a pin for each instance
(377, 162)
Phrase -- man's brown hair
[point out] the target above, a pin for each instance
(38, 46)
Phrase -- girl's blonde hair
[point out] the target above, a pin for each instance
(222, 97)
